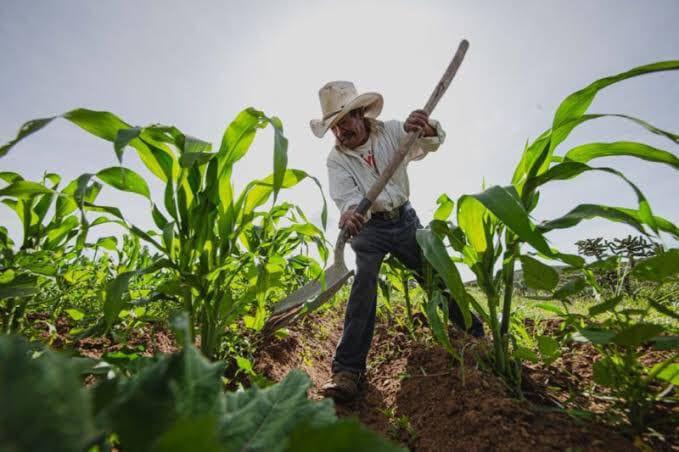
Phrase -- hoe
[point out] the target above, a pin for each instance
(317, 292)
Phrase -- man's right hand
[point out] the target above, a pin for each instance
(354, 221)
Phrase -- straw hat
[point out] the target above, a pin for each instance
(339, 98)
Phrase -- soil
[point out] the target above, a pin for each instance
(147, 340)
(418, 396)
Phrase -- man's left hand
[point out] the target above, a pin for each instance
(419, 119)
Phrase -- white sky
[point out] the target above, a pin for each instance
(197, 64)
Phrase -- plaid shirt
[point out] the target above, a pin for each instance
(352, 172)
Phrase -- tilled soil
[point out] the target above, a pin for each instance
(145, 341)
(417, 395)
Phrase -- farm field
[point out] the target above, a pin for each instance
(158, 339)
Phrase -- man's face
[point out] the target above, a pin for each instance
(351, 130)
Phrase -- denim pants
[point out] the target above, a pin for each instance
(377, 238)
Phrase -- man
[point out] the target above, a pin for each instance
(364, 146)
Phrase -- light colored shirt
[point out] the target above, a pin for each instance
(351, 172)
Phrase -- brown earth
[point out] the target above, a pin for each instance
(417, 395)
(146, 340)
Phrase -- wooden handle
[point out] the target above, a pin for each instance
(408, 141)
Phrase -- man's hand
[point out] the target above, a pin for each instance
(354, 221)
(419, 119)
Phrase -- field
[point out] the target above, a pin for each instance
(158, 340)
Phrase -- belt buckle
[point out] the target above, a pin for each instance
(392, 214)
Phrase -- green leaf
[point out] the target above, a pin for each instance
(125, 179)
(605, 373)
(538, 156)
(102, 124)
(75, 314)
(660, 307)
(662, 223)
(551, 308)
(435, 252)
(346, 435)
(19, 286)
(444, 209)
(589, 211)
(44, 404)
(163, 397)
(572, 287)
(110, 243)
(123, 139)
(189, 159)
(587, 152)
(437, 323)
(263, 419)
(525, 354)
(577, 103)
(24, 189)
(503, 202)
(568, 170)
(10, 176)
(606, 306)
(26, 129)
(659, 268)
(538, 275)
(595, 336)
(665, 342)
(198, 433)
(670, 373)
(259, 191)
(637, 334)
(238, 136)
(549, 348)
(114, 300)
(472, 217)
(7, 276)
(280, 155)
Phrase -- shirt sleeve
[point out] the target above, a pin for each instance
(425, 145)
(343, 189)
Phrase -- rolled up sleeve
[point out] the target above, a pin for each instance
(343, 189)
(425, 145)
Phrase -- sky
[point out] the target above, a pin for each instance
(196, 64)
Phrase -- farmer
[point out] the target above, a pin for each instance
(364, 146)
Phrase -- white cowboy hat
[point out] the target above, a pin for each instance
(338, 99)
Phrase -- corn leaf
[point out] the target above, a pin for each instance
(659, 268)
(24, 189)
(125, 179)
(637, 334)
(538, 275)
(435, 252)
(577, 103)
(587, 152)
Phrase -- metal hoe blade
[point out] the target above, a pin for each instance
(313, 294)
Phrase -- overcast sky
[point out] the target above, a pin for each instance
(196, 64)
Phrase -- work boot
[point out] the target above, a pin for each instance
(343, 387)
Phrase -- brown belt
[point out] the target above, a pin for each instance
(391, 214)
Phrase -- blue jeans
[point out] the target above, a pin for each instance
(377, 238)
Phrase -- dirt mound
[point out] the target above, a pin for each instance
(418, 395)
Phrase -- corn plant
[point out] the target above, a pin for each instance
(622, 328)
(222, 247)
(49, 227)
(492, 226)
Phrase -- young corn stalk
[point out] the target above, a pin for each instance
(224, 249)
(497, 223)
